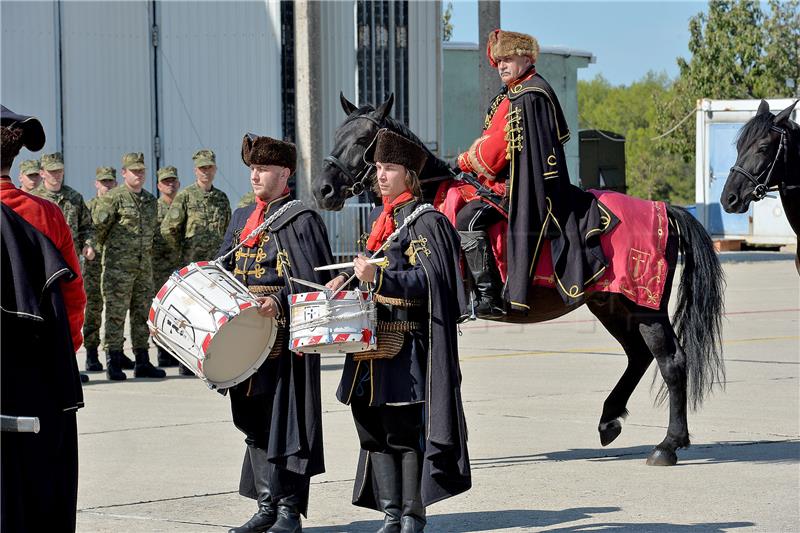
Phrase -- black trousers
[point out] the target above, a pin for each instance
(252, 416)
(477, 215)
(389, 428)
(40, 476)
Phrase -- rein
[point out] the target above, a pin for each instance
(762, 188)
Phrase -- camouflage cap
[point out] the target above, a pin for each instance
(54, 161)
(105, 173)
(167, 172)
(204, 158)
(133, 161)
(31, 166)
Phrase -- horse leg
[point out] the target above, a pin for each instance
(663, 343)
(639, 358)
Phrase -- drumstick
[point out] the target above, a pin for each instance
(310, 284)
(348, 265)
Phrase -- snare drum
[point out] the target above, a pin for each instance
(324, 323)
(210, 322)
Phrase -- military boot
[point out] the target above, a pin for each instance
(288, 516)
(166, 359)
(267, 510)
(387, 478)
(113, 369)
(485, 276)
(93, 364)
(413, 514)
(125, 362)
(145, 369)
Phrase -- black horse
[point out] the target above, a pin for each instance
(688, 356)
(768, 159)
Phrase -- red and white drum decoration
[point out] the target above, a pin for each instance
(210, 322)
(328, 323)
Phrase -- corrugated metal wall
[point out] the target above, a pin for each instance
(30, 76)
(107, 89)
(218, 70)
(425, 71)
(337, 22)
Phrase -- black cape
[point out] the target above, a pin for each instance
(543, 204)
(446, 469)
(38, 377)
(292, 380)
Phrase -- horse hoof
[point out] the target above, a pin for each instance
(660, 457)
(609, 431)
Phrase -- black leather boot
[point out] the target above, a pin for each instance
(183, 370)
(413, 514)
(113, 370)
(288, 516)
(386, 468)
(486, 278)
(144, 368)
(93, 364)
(165, 359)
(267, 512)
(125, 362)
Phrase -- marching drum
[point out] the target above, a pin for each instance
(210, 322)
(325, 323)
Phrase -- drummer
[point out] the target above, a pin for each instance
(278, 408)
(405, 396)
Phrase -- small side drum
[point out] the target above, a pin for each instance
(326, 323)
(210, 322)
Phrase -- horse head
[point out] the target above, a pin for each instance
(767, 157)
(345, 173)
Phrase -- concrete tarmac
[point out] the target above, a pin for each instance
(164, 456)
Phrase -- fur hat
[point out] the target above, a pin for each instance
(510, 43)
(19, 131)
(257, 150)
(389, 147)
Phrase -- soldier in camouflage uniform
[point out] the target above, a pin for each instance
(70, 201)
(105, 180)
(199, 216)
(126, 221)
(29, 177)
(165, 260)
(247, 199)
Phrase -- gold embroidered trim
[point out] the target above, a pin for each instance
(513, 129)
(282, 261)
(492, 110)
(519, 89)
(259, 290)
(399, 302)
(390, 337)
(415, 247)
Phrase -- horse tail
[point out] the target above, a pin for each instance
(698, 314)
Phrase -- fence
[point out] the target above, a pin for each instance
(345, 228)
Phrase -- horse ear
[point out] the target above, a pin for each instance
(347, 105)
(784, 115)
(763, 107)
(384, 109)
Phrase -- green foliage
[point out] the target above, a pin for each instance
(447, 26)
(651, 171)
(737, 51)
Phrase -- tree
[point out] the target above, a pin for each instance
(737, 51)
(651, 171)
(447, 26)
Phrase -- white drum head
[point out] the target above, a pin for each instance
(239, 348)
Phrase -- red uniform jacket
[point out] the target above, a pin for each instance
(48, 218)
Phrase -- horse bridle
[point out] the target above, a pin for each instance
(762, 188)
(360, 180)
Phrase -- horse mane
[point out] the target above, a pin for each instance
(757, 128)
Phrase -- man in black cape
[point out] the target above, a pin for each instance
(406, 395)
(278, 408)
(41, 318)
(520, 157)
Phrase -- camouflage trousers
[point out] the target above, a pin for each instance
(94, 303)
(127, 288)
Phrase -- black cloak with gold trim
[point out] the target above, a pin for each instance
(543, 204)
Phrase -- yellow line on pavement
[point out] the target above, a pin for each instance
(604, 349)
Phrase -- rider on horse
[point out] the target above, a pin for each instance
(520, 160)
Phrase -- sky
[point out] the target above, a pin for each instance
(628, 39)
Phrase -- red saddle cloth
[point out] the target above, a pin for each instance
(635, 248)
